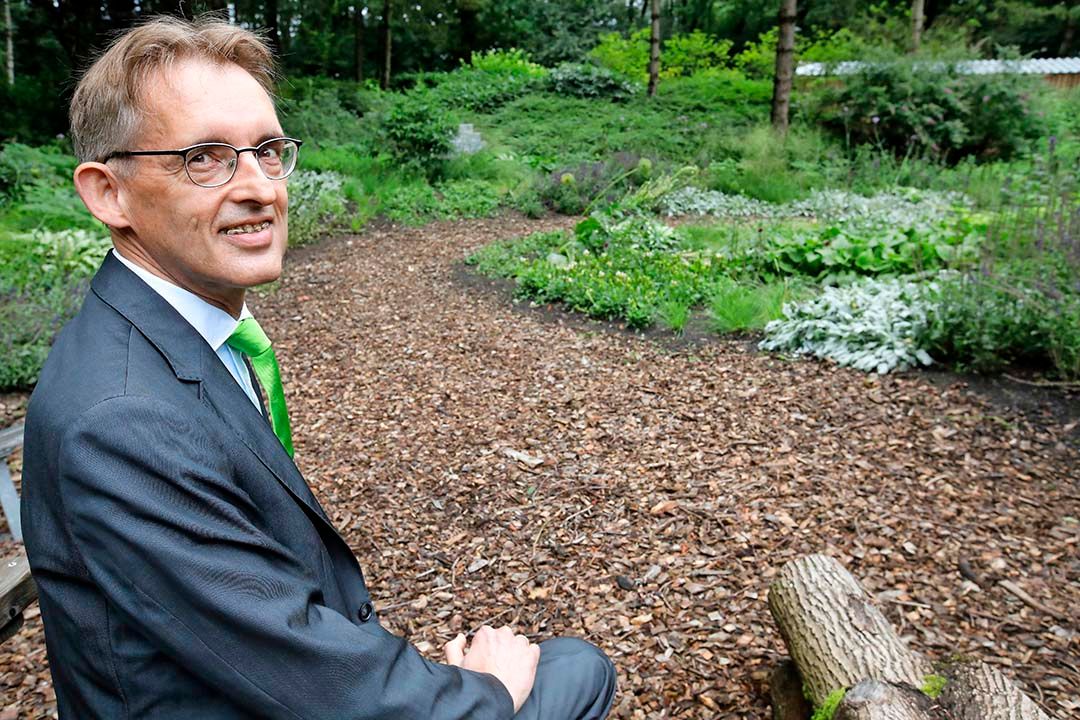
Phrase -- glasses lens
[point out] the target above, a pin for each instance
(210, 165)
(277, 157)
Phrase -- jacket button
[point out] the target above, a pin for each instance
(365, 612)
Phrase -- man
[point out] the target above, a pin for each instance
(184, 568)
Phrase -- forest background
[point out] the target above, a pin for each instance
(909, 184)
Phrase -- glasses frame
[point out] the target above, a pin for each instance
(182, 153)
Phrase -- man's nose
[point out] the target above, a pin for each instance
(250, 183)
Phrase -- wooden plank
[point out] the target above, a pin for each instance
(11, 439)
(17, 592)
(9, 501)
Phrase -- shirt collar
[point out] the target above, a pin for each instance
(214, 324)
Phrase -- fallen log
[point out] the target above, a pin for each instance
(839, 640)
(836, 637)
(976, 691)
(876, 700)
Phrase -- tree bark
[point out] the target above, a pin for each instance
(835, 635)
(980, 692)
(785, 67)
(918, 19)
(876, 700)
(384, 82)
(358, 40)
(785, 693)
(654, 49)
(1070, 31)
(9, 46)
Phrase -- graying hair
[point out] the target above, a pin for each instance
(109, 105)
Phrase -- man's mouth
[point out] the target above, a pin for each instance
(247, 228)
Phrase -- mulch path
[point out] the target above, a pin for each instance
(493, 464)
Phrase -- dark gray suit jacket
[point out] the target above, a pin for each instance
(184, 567)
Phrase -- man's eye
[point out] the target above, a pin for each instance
(269, 153)
(200, 158)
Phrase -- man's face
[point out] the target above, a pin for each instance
(182, 226)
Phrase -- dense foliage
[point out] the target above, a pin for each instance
(959, 189)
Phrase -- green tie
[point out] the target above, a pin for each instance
(250, 339)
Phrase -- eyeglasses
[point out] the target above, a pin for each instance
(212, 165)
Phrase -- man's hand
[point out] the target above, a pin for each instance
(509, 657)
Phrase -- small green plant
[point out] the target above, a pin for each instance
(933, 685)
(673, 315)
(739, 307)
(829, 706)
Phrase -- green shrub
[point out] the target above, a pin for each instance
(920, 108)
(627, 56)
(570, 190)
(43, 277)
(505, 62)
(682, 55)
(417, 203)
(321, 120)
(316, 206)
(739, 306)
(420, 131)
(479, 90)
(1019, 314)
(22, 166)
(689, 54)
(589, 81)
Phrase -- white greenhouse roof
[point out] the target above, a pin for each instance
(1041, 66)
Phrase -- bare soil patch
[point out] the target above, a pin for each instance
(495, 465)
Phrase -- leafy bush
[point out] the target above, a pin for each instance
(589, 81)
(921, 108)
(43, 277)
(418, 203)
(689, 54)
(570, 190)
(419, 131)
(505, 62)
(682, 55)
(22, 166)
(316, 205)
(870, 325)
(628, 57)
(477, 90)
(1019, 314)
(322, 121)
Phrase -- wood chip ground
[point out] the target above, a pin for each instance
(494, 464)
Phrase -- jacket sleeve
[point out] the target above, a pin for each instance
(178, 551)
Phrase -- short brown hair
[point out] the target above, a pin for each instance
(109, 101)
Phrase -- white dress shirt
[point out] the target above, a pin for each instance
(214, 324)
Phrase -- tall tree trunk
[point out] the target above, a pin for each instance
(9, 47)
(654, 49)
(358, 40)
(467, 22)
(918, 19)
(270, 18)
(785, 67)
(1070, 31)
(384, 83)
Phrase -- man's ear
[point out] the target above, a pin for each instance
(100, 190)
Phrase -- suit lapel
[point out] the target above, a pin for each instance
(193, 360)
